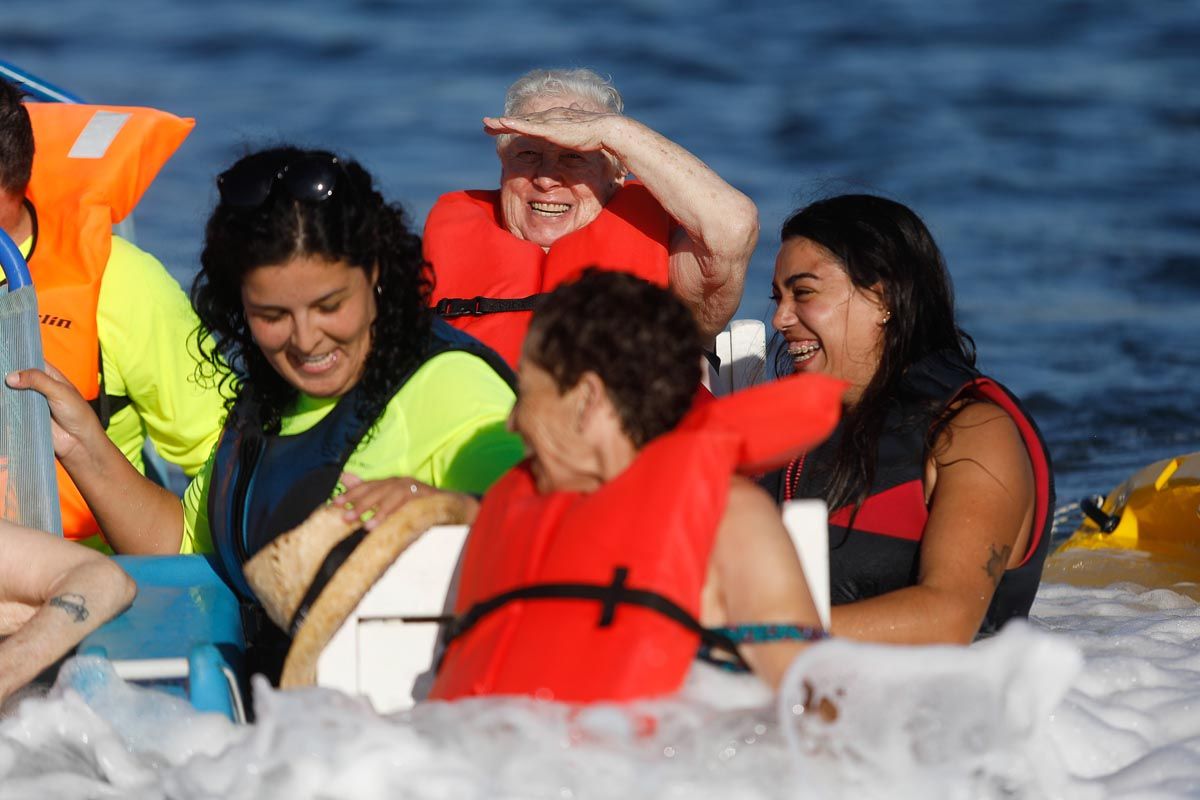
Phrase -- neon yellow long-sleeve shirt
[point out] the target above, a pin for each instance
(446, 427)
(147, 344)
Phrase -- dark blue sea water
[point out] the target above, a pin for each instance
(1053, 146)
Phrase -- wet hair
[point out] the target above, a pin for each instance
(355, 225)
(581, 82)
(640, 339)
(16, 140)
(881, 242)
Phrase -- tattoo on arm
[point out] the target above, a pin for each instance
(74, 604)
(996, 562)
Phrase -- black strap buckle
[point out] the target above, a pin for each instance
(451, 307)
(610, 595)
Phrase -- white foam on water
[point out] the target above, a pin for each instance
(932, 721)
(1097, 697)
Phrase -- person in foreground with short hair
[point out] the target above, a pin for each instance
(52, 594)
(626, 543)
(938, 482)
(566, 201)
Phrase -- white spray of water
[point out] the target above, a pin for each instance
(1096, 698)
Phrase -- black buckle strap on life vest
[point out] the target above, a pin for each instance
(105, 405)
(451, 307)
(333, 561)
(608, 609)
(609, 595)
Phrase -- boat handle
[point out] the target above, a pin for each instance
(1092, 510)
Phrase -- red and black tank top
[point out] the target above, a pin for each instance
(877, 549)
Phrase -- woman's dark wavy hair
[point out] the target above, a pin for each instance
(354, 225)
(639, 338)
(880, 242)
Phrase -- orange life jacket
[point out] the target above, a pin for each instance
(91, 166)
(638, 548)
(482, 269)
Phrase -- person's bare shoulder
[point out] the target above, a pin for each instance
(984, 435)
(752, 527)
(748, 498)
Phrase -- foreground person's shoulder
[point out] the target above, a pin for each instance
(748, 500)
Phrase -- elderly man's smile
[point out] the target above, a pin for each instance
(549, 209)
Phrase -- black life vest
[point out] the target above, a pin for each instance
(263, 485)
(877, 550)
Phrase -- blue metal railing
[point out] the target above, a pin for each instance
(16, 272)
(35, 86)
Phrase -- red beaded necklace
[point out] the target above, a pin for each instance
(791, 478)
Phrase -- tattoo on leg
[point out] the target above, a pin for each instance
(73, 604)
(996, 563)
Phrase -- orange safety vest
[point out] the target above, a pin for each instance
(476, 259)
(638, 548)
(91, 166)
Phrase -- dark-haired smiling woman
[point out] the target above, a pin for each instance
(938, 483)
(317, 292)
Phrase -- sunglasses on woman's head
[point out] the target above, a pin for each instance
(309, 178)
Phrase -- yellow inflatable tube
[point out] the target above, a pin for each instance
(1147, 531)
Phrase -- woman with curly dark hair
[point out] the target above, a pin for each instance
(316, 293)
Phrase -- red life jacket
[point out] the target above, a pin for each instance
(92, 165)
(482, 269)
(648, 532)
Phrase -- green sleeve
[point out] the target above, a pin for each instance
(445, 427)
(197, 537)
(147, 332)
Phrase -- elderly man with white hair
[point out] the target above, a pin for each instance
(566, 202)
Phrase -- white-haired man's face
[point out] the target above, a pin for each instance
(547, 191)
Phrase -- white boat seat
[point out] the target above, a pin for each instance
(807, 522)
(742, 350)
(376, 653)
